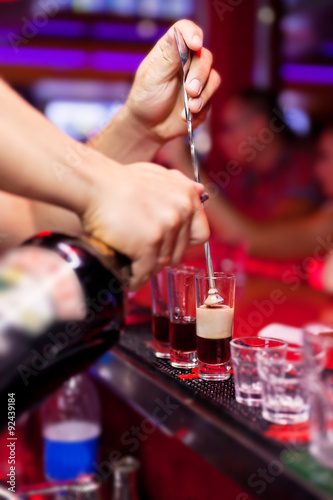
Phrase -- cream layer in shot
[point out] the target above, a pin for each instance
(215, 322)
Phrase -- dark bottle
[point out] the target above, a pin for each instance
(61, 307)
(125, 479)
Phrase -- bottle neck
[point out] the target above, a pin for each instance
(125, 485)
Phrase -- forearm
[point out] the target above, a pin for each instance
(37, 160)
(227, 223)
(22, 218)
(125, 140)
(16, 221)
(48, 217)
(274, 239)
(293, 240)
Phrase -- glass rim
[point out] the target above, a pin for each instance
(316, 328)
(324, 338)
(185, 270)
(282, 343)
(216, 275)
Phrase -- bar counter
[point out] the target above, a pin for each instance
(265, 460)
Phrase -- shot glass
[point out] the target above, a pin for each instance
(214, 327)
(182, 306)
(244, 352)
(318, 349)
(160, 315)
(284, 391)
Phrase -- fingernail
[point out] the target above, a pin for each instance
(195, 85)
(204, 197)
(197, 40)
(183, 114)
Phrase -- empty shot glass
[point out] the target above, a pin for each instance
(244, 359)
(318, 349)
(214, 327)
(160, 315)
(284, 391)
(183, 342)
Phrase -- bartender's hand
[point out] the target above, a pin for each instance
(152, 114)
(156, 98)
(146, 212)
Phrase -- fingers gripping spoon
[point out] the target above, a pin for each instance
(185, 56)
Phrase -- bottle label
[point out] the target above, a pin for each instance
(70, 449)
(38, 287)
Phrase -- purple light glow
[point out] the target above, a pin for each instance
(327, 49)
(3, 35)
(116, 61)
(64, 29)
(123, 32)
(307, 73)
(80, 29)
(43, 58)
(70, 59)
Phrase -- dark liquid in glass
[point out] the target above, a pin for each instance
(160, 325)
(183, 335)
(214, 351)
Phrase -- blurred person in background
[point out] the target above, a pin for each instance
(307, 239)
(288, 237)
(271, 173)
(256, 164)
(257, 175)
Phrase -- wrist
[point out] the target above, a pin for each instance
(127, 138)
(86, 180)
(141, 129)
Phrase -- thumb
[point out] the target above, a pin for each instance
(165, 53)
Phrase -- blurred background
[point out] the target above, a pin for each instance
(75, 59)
